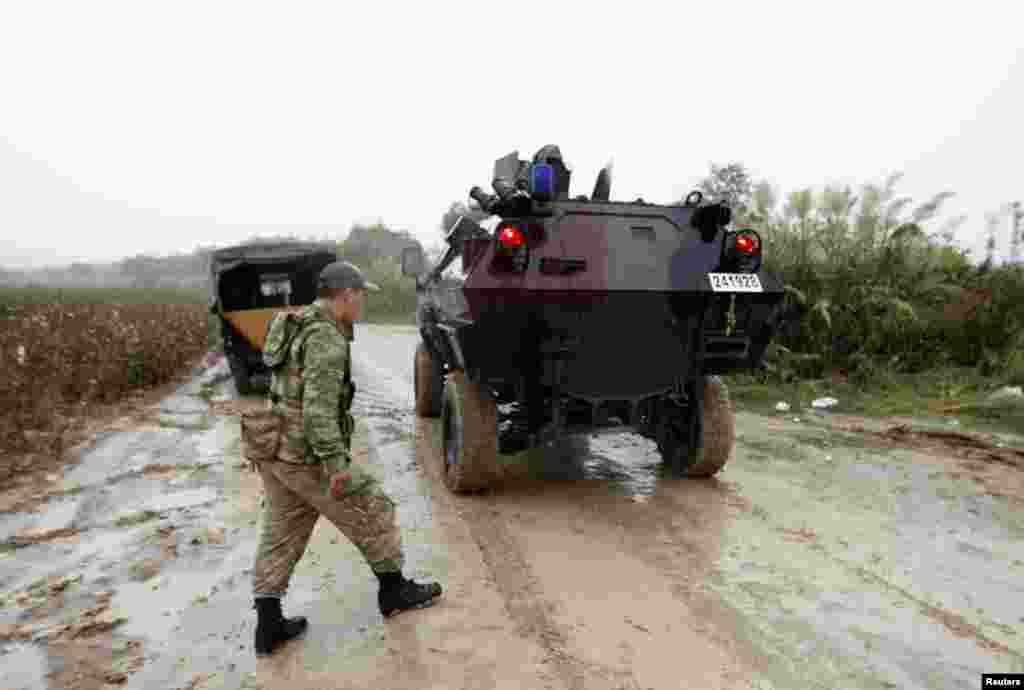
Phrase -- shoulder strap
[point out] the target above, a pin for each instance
(300, 339)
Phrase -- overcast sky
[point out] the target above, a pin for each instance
(130, 127)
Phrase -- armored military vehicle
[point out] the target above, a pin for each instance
(581, 315)
(248, 285)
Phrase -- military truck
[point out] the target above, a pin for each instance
(585, 315)
(249, 284)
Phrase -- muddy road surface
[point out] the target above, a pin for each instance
(826, 555)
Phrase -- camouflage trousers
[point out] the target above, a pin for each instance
(296, 496)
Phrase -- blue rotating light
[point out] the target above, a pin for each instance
(542, 182)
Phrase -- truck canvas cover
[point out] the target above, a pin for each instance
(228, 258)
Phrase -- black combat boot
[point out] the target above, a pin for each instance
(272, 628)
(398, 594)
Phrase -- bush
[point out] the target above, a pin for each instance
(1015, 368)
(396, 300)
(875, 293)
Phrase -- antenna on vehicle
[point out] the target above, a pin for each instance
(603, 186)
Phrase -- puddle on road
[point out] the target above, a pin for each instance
(180, 421)
(183, 404)
(395, 468)
(183, 412)
(124, 452)
(221, 441)
(623, 463)
(153, 606)
(58, 515)
(120, 500)
(191, 629)
(91, 557)
(181, 499)
(23, 667)
(118, 510)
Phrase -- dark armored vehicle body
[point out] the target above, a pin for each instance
(579, 315)
(249, 284)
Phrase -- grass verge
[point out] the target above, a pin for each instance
(959, 394)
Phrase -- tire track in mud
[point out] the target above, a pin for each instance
(676, 533)
(382, 402)
(519, 588)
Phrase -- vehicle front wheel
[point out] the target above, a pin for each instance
(469, 415)
(428, 382)
(718, 436)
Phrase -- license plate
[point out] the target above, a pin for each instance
(735, 282)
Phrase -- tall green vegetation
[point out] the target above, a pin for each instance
(876, 289)
(377, 250)
(396, 300)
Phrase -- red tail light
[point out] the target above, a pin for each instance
(741, 252)
(747, 244)
(511, 237)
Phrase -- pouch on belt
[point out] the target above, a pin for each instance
(261, 435)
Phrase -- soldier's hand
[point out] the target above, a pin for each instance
(338, 482)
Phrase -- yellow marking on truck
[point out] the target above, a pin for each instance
(252, 324)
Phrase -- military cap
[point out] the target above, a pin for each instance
(342, 274)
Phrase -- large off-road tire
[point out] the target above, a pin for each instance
(427, 382)
(469, 453)
(240, 373)
(718, 429)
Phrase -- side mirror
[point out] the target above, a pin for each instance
(413, 262)
(465, 228)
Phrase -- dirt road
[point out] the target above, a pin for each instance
(820, 558)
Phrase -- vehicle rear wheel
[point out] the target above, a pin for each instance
(427, 382)
(240, 373)
(718, 435)
(469, 414)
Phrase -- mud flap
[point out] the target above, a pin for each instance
(681, 440)
(695, 431)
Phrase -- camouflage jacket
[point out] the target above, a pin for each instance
(311, 388)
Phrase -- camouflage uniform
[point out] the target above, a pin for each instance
(312, 391)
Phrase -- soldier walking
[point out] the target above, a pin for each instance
(312, 392)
